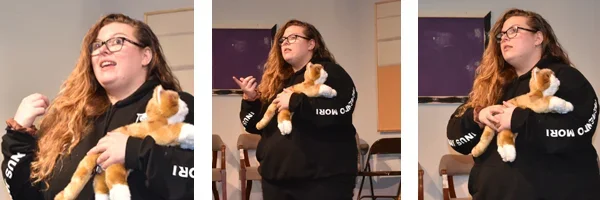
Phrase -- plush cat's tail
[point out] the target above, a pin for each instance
(82, 175)
(267, 117)
(100, 187)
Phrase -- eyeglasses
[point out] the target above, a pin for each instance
(113, 45)
(512, 32)
(291, 39)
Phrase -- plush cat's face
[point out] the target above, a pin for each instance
(316, 73)
(543, 80)
(166, 104)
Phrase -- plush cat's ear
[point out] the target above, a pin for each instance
(174, 96)
(534, 72)
(157, 92)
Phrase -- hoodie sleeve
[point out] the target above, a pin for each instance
(250, 115)
(325, 112)
(169, 170)
(560, 133)
(18, 150)
(463, 132)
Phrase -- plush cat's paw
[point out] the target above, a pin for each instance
(568, 107)
(186, 137)
(285, 127)
(327, 91)
(63, 196)
(475, 152)
(507, 152)
(261, 124)
(511, 153)
(120, 192)
(60, 196)
(101, 197)
(560, 105)
(501, 152)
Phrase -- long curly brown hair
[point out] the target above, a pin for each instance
(277, 69)
(82, 99)
(494, 72)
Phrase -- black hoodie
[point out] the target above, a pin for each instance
(555, 156)
(158, 172)
(322, 142)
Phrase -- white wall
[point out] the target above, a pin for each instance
(40, 45)
(137, 8)
(574, 26)
(349, 31)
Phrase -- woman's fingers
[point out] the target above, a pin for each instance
(508, 104)
(245, 82)
(496, 110)
(102, 158)
(491, 124)
(492, 119)
(237, 81)
(250, 83)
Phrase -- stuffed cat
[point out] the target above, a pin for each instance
(166, 113)
(542, 85)
(313, 86)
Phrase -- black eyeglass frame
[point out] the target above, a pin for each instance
(102, 43)
(516, 32)
(293, 38)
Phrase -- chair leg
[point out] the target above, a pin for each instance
(399, 187)
(362, 182)
(372, 188)
(248, 189)
(243, 183)
(224, 188)
(215, 192)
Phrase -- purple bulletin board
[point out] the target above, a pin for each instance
(450, 50)
(238, 52)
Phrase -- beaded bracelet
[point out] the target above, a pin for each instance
(15, 126)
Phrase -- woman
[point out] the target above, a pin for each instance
(317, 160)
(548, 165)
(119, 65)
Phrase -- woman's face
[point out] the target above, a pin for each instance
(119, 61)
(519, 40)
(295, 46)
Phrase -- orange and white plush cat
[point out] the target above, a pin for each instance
(542, 85)
(166, 113)
(313, 86)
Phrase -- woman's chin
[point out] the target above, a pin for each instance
(288, 59)
(107, 81)
(509, 58)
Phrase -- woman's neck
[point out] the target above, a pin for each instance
(527, 65)
(120, 93)
(301, 63)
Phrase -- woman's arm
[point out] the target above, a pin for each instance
(463, 132)
(325, 112)
(560, 133)
(169, 170)
(250, 115)
(18, 150)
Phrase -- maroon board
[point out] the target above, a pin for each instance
(450, 50)
(238, 52)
